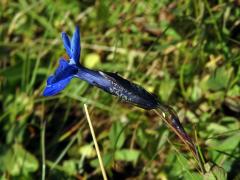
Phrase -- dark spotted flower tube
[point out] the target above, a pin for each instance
(107, 81)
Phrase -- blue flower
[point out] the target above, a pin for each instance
(109, 82)
(66, 70)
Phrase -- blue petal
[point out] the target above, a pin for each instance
(50, 79)
(66, 43)
(62, 65)
(59, 80)
(75, 46)
(63, 71)
(52, 89)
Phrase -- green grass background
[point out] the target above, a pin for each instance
(192, 66)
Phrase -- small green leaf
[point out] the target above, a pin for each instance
(127, 155)
(91, 60)
(142, 138)
(18, 161)
(216, 128)
(107, 159)
(219, 79)
(24, 160)
(229, 144)
(117, 135)
(166, 88)
(214, 172)
(70, 167)
(87, 150)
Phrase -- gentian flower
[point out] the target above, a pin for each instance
(66, 70)
(109, 82)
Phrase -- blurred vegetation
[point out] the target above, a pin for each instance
(193, 66)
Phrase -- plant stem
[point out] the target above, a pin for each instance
(188, 142)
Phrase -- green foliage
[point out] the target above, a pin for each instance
(17, 161)
(117, 135)
(127, 155)
(214, 172)
(194, 66)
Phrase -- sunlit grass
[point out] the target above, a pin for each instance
(193, 66)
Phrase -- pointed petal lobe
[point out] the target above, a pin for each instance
(55, 88)
(75, 46)
(60, 79)
(67, 44)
